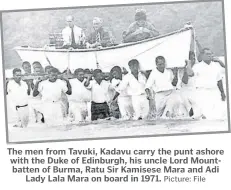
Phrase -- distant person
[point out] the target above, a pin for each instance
(26, 66)
(100, 37)
(140, 29)
(38, 68)
(48, 68)
(18, 92)
(73, 36)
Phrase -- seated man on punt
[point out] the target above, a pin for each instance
(140, 29)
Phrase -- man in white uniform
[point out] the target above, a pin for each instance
(51, 91)
(35, 106)
(79, 98)
(73, 35)
(124, 101)
(18, 92)
(134, 82)
(99, 95)
(188, 89)
(162, 81)
(209, 87)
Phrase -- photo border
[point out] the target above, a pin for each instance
(116, 137)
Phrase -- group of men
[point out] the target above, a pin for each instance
(194, 91)
(55, 98)
(74, 36)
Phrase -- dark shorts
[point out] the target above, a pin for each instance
(99, 111)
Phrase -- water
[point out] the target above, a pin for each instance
(114, 128)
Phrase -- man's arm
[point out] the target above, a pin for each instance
(36, 92)
(175, 76)
(220, 86)
(153, 30)
(150, 83)
(7, 82)
(123, 85)
(28, 88)
(87, 82)
(129, 34)
(200, 49)
(116, 95)
(148, 93)
(185, 77)
(215, 59)
(69, 88)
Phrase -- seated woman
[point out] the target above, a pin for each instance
(140, 29)
(99, 37)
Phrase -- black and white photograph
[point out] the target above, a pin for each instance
(97, 72)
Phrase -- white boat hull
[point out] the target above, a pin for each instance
(174, 47)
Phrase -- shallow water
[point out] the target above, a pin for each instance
(116, 128)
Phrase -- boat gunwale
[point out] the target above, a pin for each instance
(101, 49)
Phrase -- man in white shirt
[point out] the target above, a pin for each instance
(124, 101)
(162, 81)
(188, 89)
(35, 106)
(73, 36)
(134, 82)
(79, 98)
(210, 95)
(51, 91)
(99, 95)
(18, 92)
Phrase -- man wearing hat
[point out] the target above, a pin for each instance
(140, 29)
(99, 37)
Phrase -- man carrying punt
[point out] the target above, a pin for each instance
(134, 82)
(51, 91)
(18, 92)
(209, 93)
(79, 98)
(162, 81)
(35, 107)
(99, 95)
(124, 101)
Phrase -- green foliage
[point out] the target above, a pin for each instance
(33, 27)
